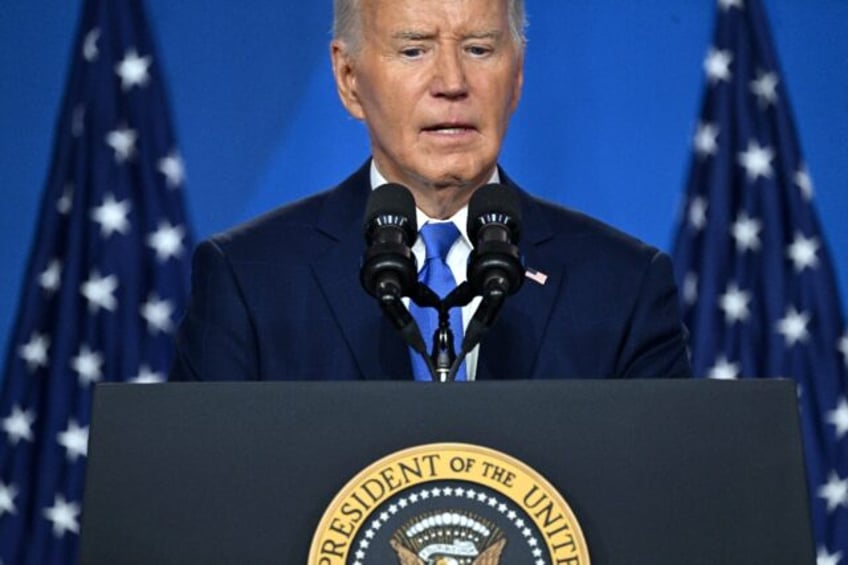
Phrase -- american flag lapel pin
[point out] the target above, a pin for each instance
(536, 276)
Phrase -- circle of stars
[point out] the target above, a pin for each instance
(423, 494)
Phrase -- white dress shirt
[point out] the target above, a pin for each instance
(457, 259)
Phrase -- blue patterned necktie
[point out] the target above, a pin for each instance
(438, 239)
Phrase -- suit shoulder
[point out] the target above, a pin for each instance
(294, 215)
(288, 227)
(301, 226)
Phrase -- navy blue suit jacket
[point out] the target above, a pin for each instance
(280, 298)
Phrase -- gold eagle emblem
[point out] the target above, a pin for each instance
(448, 538)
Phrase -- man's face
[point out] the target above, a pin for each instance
(436, 82)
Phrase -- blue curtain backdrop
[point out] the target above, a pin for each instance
(611, 98)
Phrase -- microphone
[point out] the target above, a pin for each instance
(388, 267)
(389, 270)
(494, 227)
(495, 269)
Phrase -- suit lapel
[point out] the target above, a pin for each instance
(379, 351)
(510, 349)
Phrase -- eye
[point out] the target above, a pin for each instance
(412, 52)
(479, 50)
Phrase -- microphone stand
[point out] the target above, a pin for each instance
(483, 318)
(443, 361)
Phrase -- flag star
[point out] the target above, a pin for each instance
(834, 491)
(823, 557)
(167, 240)
(802, 252)
(765, 88)
(89, 45)
(756, 160)
(734, 303)
(726, 5)
(690, 288)
(34, 352)
(746, 232)
(723, 370)
(147, 376)
(804, 182)
(717, 65)
(173, 168)
(64, 516)
(706, 139)
(843, 347)
(112, 215)
(7, 499)
(75, 441)
(87, 364)
(65, 202)
(157, 313)
(18, 425)
(793, 326)
(99, 291)
(698, 212)
(50, 277)
(133, 70)
(122, 141)
(839, 418)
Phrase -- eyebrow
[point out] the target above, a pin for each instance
(414, 35)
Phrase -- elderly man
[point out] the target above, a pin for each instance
(435, 82)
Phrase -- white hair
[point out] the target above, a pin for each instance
(347, 22)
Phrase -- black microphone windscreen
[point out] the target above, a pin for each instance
(394, 202)
(494, 201)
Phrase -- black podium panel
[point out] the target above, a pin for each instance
(657, 472)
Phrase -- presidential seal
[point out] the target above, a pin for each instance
(448, 504)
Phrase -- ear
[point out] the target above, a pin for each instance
(519, 81)
(344, 71)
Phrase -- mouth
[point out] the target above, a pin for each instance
(450, 129)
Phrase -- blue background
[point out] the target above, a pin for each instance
(612, 93)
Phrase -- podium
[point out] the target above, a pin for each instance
(656, 472)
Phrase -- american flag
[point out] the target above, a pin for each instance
(106, 280)
(759, 293)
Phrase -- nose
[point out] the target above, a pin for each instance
(449, 80)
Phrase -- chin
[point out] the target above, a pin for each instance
(459, 176)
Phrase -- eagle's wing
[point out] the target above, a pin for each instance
(492, 555)
(405, 557)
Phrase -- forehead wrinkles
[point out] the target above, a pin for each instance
(428, 19)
